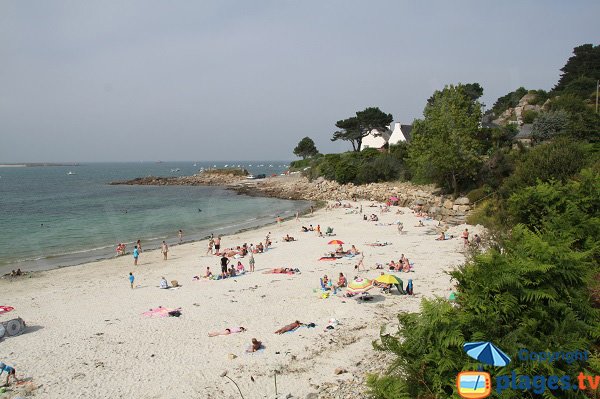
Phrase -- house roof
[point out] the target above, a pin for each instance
(524, 132)
(407, 129)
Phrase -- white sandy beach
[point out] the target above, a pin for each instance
(87, 337)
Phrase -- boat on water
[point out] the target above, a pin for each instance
(175, 170)
(195, 164)
(250, 177)
(71, 173)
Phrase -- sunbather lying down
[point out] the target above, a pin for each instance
(283, 270)
(289, 327)
(227, 331)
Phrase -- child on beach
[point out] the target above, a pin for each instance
(131, 278)
(251, 262)
(164, 249)
(136, 255)
(139, 245)
(10, 371)
(256, 345)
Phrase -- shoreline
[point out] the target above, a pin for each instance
(25, 265)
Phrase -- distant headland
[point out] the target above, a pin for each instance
(34, 164)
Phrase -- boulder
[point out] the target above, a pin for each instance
(462, 201)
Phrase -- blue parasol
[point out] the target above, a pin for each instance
(486, 352)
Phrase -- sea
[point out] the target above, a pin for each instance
(56, 216)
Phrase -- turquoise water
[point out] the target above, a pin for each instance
(51, 219)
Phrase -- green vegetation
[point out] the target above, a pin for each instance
(537, 286)
(444, 149)
(356, 128)
(306, 148)
(228, 171)
(508, 101)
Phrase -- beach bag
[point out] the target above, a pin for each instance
(409, 287)
(174, 283)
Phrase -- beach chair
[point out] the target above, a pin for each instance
(329, 231)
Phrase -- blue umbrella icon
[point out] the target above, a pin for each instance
(486, 352)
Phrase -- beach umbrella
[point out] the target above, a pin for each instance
(359, 285)
(387, 279)
(6, 309)
(486, 352)
(336, 242)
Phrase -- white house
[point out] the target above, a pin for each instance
(400, 133)
(394, 134)
(376, 139)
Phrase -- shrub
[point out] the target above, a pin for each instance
(529, 116)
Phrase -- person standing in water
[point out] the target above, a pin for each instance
(164, 249)
(180, 234)
(139, 246)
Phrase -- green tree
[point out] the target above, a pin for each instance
(585, 62)
(444, 148)
(306, 148)
(355, 128)
(550, 124)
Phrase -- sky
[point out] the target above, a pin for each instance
(93, 81)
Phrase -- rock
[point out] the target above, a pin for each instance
(339, 371)
(448, 204)
(464, 208)
(312, 395)
(232, 356)
(462, 201)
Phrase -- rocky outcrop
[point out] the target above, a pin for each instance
(516, 114)
(425, 198)
(297, 187)
(207, 178)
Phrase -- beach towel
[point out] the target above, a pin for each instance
(6, 309)
(330, 258)
(160, 312)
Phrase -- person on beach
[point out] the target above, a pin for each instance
(311, 209)
(342, 280)
(164, 249)
(289, 327)
(139, 245)
(279, 220)
(10, 372)
(224, 263)
(208, 273)
(218, 245)
(211, 243)
(163, 283)
(465, 236)
(180, 234)
(251, 262)
(227, 331)
(297, 216)
(360, 262)
(136, 255)
(255, 346)
(131, 279)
